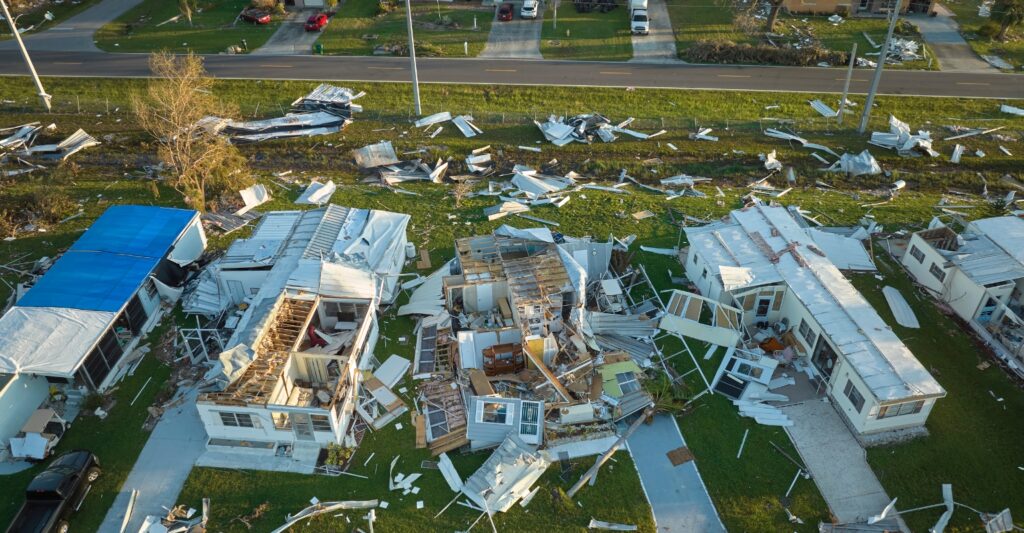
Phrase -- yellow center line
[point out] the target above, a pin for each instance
(386, 68)
(500, 70)
(851, 79)
(67, 62)
(733, 76)
(276, 66)
(615, 72)
(971, 83)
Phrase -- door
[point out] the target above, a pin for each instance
(824, 357)
(302, 426)
(763, 305)
(236, 290)
(985, 314)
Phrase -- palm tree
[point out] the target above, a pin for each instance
(1009, 13)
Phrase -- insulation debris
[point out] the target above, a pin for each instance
(857, 165)
(900, 139)
(561, 131)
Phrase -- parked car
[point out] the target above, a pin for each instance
(529, 9)
(316, 22)
(505, 12)
(256, 16)
(56, 493)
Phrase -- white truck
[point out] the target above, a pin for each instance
(639, 24)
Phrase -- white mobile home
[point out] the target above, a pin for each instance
(980, 275)
(766, 265)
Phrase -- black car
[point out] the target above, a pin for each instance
(56, 493)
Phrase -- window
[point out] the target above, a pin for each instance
(627, 382)
(763, 305)
(320, 423)
(807, 333)
(438, 421)
(749, 370)
(695, 259)
(854, 396)
(937, 272)
(900, 409)
(281, 420)
(150, 289)
(496, 413)
(704, 274)
(236, 420)
(917, 254)
(530, 423)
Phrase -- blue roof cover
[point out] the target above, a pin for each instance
(108, 264)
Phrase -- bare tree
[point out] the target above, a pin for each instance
(186, 7)
(171, 110)
(773, 15)
(461, 190)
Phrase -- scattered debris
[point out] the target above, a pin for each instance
(1004, 108)
(702, 135)
(901, 310)
(823, 109)
(857, 165)
(900, 139)
(325, 110)
(610, 526)
(561, 131)
(318, 508)
(317, 193)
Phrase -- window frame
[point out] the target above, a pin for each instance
(489, 411)
(900, 409)
(916, 253)
(236, 419)
(321, 423)
(529, 420)
(851, 390)
(936, 271)
(809, 336)
(627, 379)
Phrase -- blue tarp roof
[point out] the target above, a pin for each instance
(104, 268)
(140, 230)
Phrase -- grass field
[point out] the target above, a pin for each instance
(37, 18)
(357, 28)
(715, 20)
(971, 26)
(213, 29)
(590, 36)
(746, 491)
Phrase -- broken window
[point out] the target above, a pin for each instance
(530, 423)
(281, 420)
(320, 423)
(917, 254)
(750, 370)
(495, 413)
(853, 395)
(236, 420)
(937, 272)
(900, 409)
(627, 382)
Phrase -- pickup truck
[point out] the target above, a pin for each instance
(56, 493)
(639, 24)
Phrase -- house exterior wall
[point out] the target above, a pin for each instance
(19, 398)
(191, 244)
(487, 434)
(866, 421)
(264, 429)
(698, 271)
(963, 295)
(847, 6)
(919, 269)
(249, 280)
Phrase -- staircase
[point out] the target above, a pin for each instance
(290, 323)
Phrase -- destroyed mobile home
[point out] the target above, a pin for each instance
(794, 328)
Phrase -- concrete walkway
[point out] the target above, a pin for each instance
(515, 39)
(942, 34)
(836, 460)
(660, 45)
(76, 33)
(291, 37)
(678, 498)
(162, 467)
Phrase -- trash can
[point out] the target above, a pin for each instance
(318, 49)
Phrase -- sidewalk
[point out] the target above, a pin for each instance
(942, 34)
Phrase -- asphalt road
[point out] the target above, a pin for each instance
(529, 72)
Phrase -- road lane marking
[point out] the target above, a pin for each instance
(971, 83)
(67, 62)
(500, 70)
(851, 79)
(733, 76)
(615, 72)
(386, 68)
(276, 66)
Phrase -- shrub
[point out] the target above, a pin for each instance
(92, 402)
(385, 6)
(989, 30)
(730, 52)
(337, 454)
(50, 206)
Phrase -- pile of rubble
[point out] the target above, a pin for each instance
(20, 142)
(326, 110)
(382, 159)
(561, 131)
(900, 138)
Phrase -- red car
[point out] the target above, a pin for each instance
(256, 16)
(316, 22)
(505, 12)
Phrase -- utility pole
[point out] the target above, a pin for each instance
(28, 60)
(846, 86)
(894, 15)
(412, 59)
(554, 23)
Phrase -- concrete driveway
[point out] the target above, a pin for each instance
(162, 467)
(515, 39)
(678, 498)
(291, 37)
(76, 33)
(660, 45)
(836, 460)
(942, 34)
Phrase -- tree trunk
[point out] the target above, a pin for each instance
(773, 15)
(1002, 31)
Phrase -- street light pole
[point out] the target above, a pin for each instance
(846, 86)
(894, 15)
(412, 60)
(28, 60)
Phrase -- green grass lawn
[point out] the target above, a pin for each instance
(37, 17)
(213, 29)
(971, 25)
(357, 28)
(593, 36)
(715, 20)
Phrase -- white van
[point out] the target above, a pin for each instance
(529, 10)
